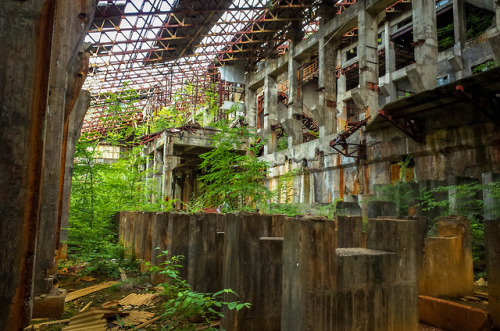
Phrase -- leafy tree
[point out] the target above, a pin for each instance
(233, 176)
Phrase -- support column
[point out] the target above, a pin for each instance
(270, 111)
(423, 75)
(75, 126)
(328, 87)
(388, 87)
(368, 63)
(251, 106)
(26, 33)
(293, 122)
(497, 13)
(170, 162)
(341, 90)
(309, 273)
(459, 23)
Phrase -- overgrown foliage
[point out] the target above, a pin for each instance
(183, 304)
(233, 176)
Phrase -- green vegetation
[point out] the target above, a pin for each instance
(445, 37)
(484, 66)
(233, 178)
(477, 21)
(184, 305)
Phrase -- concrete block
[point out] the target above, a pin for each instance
(349, 231)
(178, 240)
(492, 233)
(450, 315)
(399, 236)
(309, 273)
(348, 208)
(51, 305)
(447, 262)
(381, 208)
(243, 272)
(203, 275)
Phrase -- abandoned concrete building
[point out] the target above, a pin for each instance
(347, 97)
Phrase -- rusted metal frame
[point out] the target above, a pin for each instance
(207, 11)
(492, 115)
(407, 126)
(139, 43)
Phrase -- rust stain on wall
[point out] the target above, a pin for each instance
(341, 178)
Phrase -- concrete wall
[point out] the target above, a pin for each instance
(290, 269)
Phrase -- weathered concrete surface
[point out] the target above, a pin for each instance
(368, 296)
(349, 231)
(309, 273)
(381, 209)
(400, 237)
(300, 281)
(447, 262)
(72, 21)
(26, 30)
(202, 259)
(75, 126)
(450, 315)
(243, 257)
(492, 235)
(49, 305)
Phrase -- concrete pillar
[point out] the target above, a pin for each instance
(75, 126)
(459, 23)
(497, 13)
(491, 206)
(349, 231)
(449, 258)
(251, 106)
(293, 123)
(327, 82)
(178, 240)
(26, 33)
(388, 87)
(270, 111)
(309, 273)
(203, 275)
(170, 162)
(252, 268)
(400, 237)
(492, 233)
(423, 75)
(368, 62)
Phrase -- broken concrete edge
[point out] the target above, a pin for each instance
(437, 312)
(51, 305)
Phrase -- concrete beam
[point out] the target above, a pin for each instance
(26, 33)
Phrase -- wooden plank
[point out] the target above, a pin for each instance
(85, 291)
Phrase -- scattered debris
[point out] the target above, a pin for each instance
(143, 325)
(83, 292)
(481, 282)
(38, 326)
(86, 307)
(136, 317)
(136, 300)
(110, 304)
(481, 295)
(87, 279)
(204, 327)
(94, 319)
